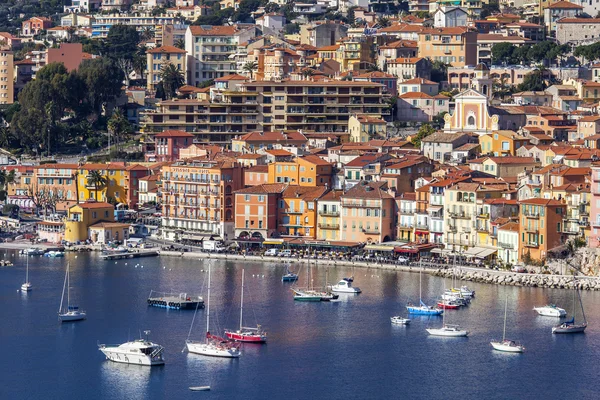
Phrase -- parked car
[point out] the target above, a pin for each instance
(272, 252)
(518, 268)
(403, 259)
(285, 253)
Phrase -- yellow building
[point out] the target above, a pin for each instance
(363, 128)
(6, 76)
(453, 45)
(298, 210)
(116, 186)
(81, 217)
(502, 143)
(161, 56)
(304, 171)
(328, 210)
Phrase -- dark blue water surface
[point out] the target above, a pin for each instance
(346, 349)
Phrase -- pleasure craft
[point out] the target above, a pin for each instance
(448, 331)
(140, 352)
(551, 310)
(345, 286)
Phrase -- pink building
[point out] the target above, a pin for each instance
(167, 145)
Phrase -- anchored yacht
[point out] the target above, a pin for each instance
(141, 352)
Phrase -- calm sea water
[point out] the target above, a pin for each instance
(347, 349)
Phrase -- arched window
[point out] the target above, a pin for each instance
(471, 120)
(484, 89)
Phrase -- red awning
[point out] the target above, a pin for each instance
(405, 250)
(421, 233)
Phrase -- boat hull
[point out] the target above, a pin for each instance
(446, 333)
(449, 306)
(246, 338)
(550, 312)
(72, 316)
(569, 329)
(400, 321)
(26, 287)
(507, 348)
(208, 349)
(346, 290)
(128, 358)
(424, 311)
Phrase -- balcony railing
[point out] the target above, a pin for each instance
(419, 225)
(327, 213)
(371, 231)
(506, 245)
(293, 212)
(530, 244)
(530, 229)
(329, 226)
(459, 214)
(460, 242)
(531, 214)
(404, 211)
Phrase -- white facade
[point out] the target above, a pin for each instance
(449, 17)
(508, 246)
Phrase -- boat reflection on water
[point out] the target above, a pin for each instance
(215, 371)
(127, 381)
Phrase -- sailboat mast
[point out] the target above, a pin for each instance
(420, 271)
(208, 306)
(581, 304)
(63, 292)
(27, 270)
(574, 309)
(68, 287)
(505, 310)
(242, 301)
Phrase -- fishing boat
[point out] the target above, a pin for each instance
(245, 334)
(551, 310)
(570, 326)
(398, 320)
(345, 286)
(449, 304)
(212, 345)
(289, 276)
(70, 313)
(26, 286)
(140, 352)
(447, 330)
(422, 309)
(506, 345)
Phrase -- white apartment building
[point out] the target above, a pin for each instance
(210, 48)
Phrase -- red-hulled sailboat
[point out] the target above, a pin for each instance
(448, 304)
(245, 334)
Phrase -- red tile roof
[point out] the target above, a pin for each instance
(173, 133)
(166, 50)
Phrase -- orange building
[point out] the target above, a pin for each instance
(368, 213)
(256, 212)
(58, 179)
(298, 210)
(304, 171)
(541, 227)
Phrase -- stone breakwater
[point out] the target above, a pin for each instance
(467, 274)
(527, 280)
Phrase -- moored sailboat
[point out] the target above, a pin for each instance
(447, 330)
(506, 345)
(570, 326)
(70, 313)
(212, 345)
(26, 287)
(422, 309)
(245, 334)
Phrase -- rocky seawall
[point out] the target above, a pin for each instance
(517, 279)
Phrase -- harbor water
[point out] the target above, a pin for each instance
(340, 350)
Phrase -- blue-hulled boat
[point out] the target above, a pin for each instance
(423, 309)
(289, 276)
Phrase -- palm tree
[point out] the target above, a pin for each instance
(373, 68)
(146, 34)
(180, 44)
(172, 79)
(97, 180)
(5, 180)
(139, 61)
(119, 126)
(249, 67)
(307, 73)
(383, 22)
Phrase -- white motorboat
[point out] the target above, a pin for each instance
(26, 287)
(448, 331)
(506, 345)
(397, 320)
(70, 313)
(213, 346)
(550, 310)
(509, 346)
(345, 286)
(140, 352)
(199, 388)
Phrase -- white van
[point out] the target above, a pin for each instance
(271, 252)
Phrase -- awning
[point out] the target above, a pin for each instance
(485, 253)
(434, 208)
(437, 250)
(421, 233)
(472, 251)
(277, 242)
(411, 250)
(379, 247)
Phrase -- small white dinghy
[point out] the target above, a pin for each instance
(400, 320)
(199, 388)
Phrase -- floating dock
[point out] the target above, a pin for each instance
(129, 254)
(172, 301)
